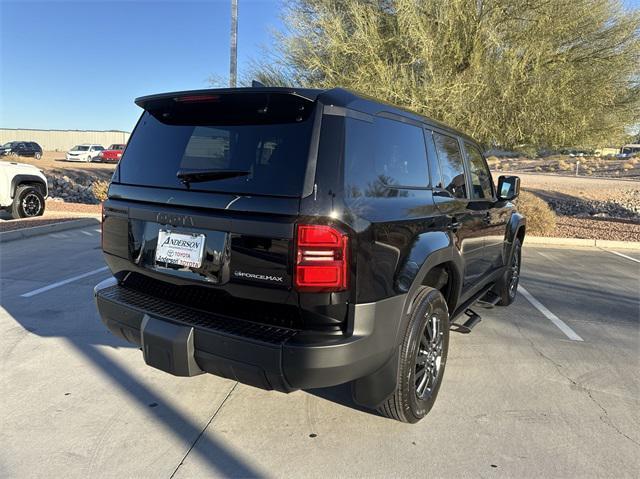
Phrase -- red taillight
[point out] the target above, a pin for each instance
(102, 225)
(321, 259)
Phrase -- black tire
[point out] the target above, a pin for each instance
(507, 288)
(407, 404)
(38, 155)
(27, 202)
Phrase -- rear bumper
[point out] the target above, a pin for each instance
(190, 341)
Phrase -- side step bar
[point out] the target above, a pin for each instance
(489, 300)
(469, 324)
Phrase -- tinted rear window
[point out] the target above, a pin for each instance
(274, 154)
(383, 154)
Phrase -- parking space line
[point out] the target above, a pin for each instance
(623, 255)
(63, 282)
(546, 255)
(562, 326)
(87, 233)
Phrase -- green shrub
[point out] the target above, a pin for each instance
(99, 189)
(541, 220)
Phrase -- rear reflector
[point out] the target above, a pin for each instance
(321, 259)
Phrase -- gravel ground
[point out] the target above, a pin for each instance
(55, 161)
(591, 208)
(77, 209)
(568, 227)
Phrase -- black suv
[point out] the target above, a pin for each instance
(296, 239)
(21, 148)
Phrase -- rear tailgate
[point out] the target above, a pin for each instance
(217, 244)
(229, 245)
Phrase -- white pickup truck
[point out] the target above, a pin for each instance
(23, 189)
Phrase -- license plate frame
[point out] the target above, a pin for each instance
(180, 250)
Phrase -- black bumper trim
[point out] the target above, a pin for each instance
(260, 355)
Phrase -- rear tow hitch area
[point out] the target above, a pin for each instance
(469, 324)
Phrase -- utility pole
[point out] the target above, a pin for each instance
(233, 61)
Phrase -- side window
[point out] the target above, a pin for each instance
(481, 188)
(383, 154)
(451, 165)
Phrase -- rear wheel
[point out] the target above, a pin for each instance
(38, 155)
(423, 355)
(27, 202)
(508, 286)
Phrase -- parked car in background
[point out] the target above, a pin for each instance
(627, 151)
(23, 189)
(21, 148)
(111, 154)
(86, 152)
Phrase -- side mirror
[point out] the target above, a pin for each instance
(508, 188)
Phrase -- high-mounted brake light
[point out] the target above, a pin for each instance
(321, 259)
(197, 98)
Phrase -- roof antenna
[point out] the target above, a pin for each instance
(257, 84)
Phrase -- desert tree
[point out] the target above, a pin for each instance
(509, 72)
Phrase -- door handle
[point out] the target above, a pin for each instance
(454, 225)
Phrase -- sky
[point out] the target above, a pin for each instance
(80, 64)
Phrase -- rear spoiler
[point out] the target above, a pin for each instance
(234, 106)
(210, 94)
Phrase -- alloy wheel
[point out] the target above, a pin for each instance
(515, 273)
(31, 205)
(429, 358)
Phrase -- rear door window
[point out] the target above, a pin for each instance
(275, 155)
(383, 156)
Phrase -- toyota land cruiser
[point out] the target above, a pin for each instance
(295, 239)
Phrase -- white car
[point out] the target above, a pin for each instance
(84, 153)
(23, 189)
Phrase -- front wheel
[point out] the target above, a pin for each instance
(27, 202)
(507, 288)
(423, 355)
(38, 155)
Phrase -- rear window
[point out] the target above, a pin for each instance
(383, 156)
(273, 151)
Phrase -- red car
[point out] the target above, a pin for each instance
(111, 154)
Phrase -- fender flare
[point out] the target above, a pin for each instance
(17, 180)
(371, 391)
(516, 223)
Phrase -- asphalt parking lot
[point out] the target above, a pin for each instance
(549, 387)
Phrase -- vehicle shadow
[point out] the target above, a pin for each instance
(86, 337)
(341, 395)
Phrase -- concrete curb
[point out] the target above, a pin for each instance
(593, 243)
(46, 229)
